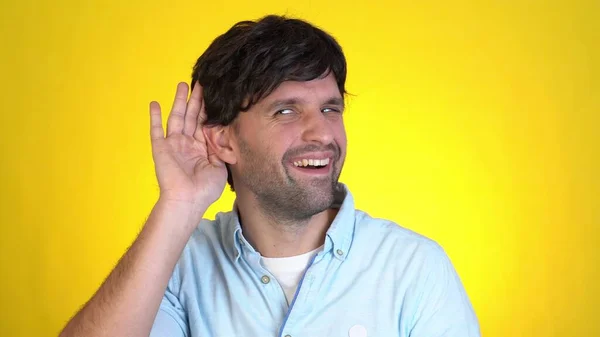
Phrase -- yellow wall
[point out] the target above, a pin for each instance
(474, 123)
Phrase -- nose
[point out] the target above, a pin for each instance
(317, 128)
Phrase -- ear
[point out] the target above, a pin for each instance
(219, 141)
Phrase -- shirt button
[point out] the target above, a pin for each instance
(288, 336)
(265, 279)
(340, 252)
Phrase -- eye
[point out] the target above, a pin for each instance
(324, 110)
(284, 112)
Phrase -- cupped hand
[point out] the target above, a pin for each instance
(186, 171)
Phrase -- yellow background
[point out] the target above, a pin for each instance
(474, 123)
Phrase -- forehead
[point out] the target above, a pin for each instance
(319, 88)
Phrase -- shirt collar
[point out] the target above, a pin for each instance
(341, 231)
(338, 238)
(235, 241)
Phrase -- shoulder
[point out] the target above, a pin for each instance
(384, 230)
(209, 242)
(395, 244)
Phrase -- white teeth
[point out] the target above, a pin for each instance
(312, 162)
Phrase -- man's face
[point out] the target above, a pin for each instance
(291, 148)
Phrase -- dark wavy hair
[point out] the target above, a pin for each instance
(253, 58)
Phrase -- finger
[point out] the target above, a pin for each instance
(201, 118)
(193, 107)
(156, 128)
(176, 117)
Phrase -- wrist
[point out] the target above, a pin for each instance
(185, 213)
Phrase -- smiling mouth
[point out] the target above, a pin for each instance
(311, 163)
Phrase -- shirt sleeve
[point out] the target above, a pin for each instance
(443, 308)
(171, 319)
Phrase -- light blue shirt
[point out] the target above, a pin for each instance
(372, 278)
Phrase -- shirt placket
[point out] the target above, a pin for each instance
(265, 281)
(304, 298)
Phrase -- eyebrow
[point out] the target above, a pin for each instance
(296, 100)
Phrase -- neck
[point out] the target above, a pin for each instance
(276, 237)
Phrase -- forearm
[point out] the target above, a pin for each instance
(127, 302)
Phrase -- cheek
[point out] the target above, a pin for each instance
(340, 136)
(273, 147)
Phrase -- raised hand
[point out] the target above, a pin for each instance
(185, 170)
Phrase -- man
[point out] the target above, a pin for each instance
(293, 257)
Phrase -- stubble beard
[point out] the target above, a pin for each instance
(284, 198)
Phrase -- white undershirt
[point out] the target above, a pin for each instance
(289, 270)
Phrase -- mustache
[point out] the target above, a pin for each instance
(298, 152)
